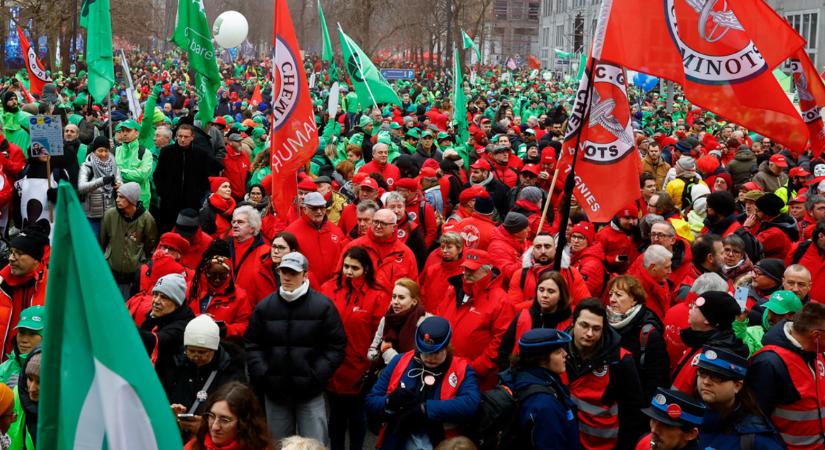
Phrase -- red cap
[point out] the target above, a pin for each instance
(427, 172)
(585, 229)
(410, 184)
(219, 121)
(359, 177)
(429, 162)
(475, 258)
(798, 172)
(482, 164)
(471, 193)
(369, 183)
(532, 168)
(548, 156)
(750, 186)
(779, 160)
(175, 242)
(800, 198)
(628, 211)
(308, 185)
(216, 182)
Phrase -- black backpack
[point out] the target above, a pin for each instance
(496, 424)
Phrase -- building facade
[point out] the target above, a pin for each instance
(568, 26)
(806, 17)
(513, 31)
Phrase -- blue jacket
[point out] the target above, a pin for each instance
(556, 417)
(740, 430)
(461, 409)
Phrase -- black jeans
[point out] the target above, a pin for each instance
(346, 412)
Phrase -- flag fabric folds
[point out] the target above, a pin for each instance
(37, 73)
(722, 54)
(460, 108)
(131, 95)
(294, 133)
(95, 17)
(811, 93)
(562, 54)
(369, 84)
(469, 43)
(607, 164)
(326, 52)
(102, 389)
(192, 34)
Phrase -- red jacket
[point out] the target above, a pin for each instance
(268, 282)
(390, 257)
(589, 264)
(418, 207)
(361, 309)
(13, 162)
(437, 118)
(476, 230)
(814, 260)
(616, 242)
(775, 242)
(505, 252)
(321, 245)
(478, 324)
(522, 289)
(198, 244)
(246, 260)
(349, 218)
(228, 304)
(160, 265)
(676, 320)
(434, 279)
(389, 171)
(658, 294)
(507, 173)
(236, 167)
(16, 294)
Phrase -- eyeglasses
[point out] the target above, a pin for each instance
(380, 224)
(577, 237)
(223, 421)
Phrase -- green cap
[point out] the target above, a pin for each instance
(364, 121)
(443, 135)
(32, 318)
(783, 302)
(130, 124)
(412, 132)
(427, 133)
(229, 119)
(395, 126)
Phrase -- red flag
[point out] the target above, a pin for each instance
(722, 54)
(811, 93)
(294, 133)
(533, 62)
(37, 73)
(257, 98)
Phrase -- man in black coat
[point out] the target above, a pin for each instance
(295, 341)
(481, 174)
(181, 177)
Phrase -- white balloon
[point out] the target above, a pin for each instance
(230, 29)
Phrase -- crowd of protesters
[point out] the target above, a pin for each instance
(410, 290)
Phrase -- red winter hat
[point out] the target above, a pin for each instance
(471, 193)
(628, 211)
(532, 168)
(585, 229)
(481, 164)
(216, 182)
(429, 162)
(409, 184)
(427, 172)
(707, 164)
(174, 241)
(308, 185)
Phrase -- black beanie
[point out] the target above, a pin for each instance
(770, 204)
(773, 268)
(719, 308)
(722, 202)
(100, 141)
(31, 242)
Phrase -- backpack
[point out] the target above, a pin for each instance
(496, 424)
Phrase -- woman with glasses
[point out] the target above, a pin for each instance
(234, 420)
(736, 260)
(268, 279)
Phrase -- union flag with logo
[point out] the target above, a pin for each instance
(811, 93)
(294, 135)
(721, 51)
(37, 73)
(607, 164)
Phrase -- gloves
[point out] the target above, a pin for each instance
(401, 399)
(109, 179)
(51, 194)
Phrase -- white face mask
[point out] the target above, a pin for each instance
(819, 170)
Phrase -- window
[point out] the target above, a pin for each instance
(806, 23)
(561, 5)
(547, 8)
(578, 3)
(500, 9)
(560, 36)
(533, 11)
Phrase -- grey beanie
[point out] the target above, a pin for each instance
(515, 222)
(131, 191)
(532, 194)
(172, 286)
(686, 164)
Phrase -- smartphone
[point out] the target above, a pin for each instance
(186, 416)
(741, 296)
(622, 258)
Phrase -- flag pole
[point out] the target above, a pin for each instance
(360, 70)
(570, 182)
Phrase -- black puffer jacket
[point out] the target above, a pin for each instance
(652, 363)
(293, 348)
(165, 333)
(182, 380)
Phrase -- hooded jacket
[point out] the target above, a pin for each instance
(589, 263)
(128, 241)
(777, 235)
(767, 180)
(742, 166)
(23, 431)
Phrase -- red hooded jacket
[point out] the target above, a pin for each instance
(323, 246)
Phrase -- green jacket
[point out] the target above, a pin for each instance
(16, 129)
(128, 243)
(17, 431)
(751, 336)
(134, 169)
(10, 370)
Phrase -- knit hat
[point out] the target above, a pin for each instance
(174, 241)
(723, 362)
(585, 229)
(484, 205)
(98, 142)
(719, 308)
(685, 145)
(131, 191)
(172, 286)
(541, 341)
(532, 194)
(432, 334)
(32, 242)
(722, 202)
(686, 164)
(202, 331)
(187, 222)
(6, 398)
(216, 182)
(773, 268)
(770, 204)
(515, 222)
(410, 184)
(698, 195)
(707, 164)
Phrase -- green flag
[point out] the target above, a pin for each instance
(582, 65)
(147, 127)
(95, 18)
(468, 42)
(327, 53)
(100, 391)
(192, 34)
(562, 54)
(370, 86)
(460, 108)
(785, 80)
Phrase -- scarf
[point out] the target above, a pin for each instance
(209, 445)
(399, 329)
(291, 296)
(223, 205)
(484, 182)
(619, 320)
(102, 169)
